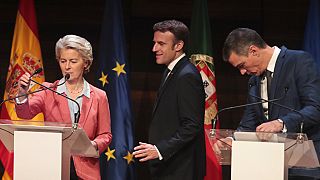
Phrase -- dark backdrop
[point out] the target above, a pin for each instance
(279, 22)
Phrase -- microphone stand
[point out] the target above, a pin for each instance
(37, 71)
(214, 120)
(76, 115)
(32, 92)
(300, 137)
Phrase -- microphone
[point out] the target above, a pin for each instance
(77, 114)
(66, 77)
(300, 137)
(214, 120)
(37, 71)
(251, 84)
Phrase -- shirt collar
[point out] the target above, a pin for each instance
(174, 62)
(63, 88)
(273, 60)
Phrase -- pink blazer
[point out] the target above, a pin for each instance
(94, 119)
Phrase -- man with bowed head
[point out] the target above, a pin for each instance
(293, 78)
(74, 56)
(176, 147)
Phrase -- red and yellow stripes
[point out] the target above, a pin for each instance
(204, 64)
(6, 157)
(25, 57)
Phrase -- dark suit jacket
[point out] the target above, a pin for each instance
(297, 80)
(177, 125)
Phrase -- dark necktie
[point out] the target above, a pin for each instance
(267, 74)
(269, 78)
(164, 76)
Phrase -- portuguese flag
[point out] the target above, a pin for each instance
(201, 56)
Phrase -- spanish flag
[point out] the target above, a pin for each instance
(25, 57)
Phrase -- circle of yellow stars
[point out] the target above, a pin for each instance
(119, 69)
(110, 155)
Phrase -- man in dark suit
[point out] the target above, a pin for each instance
(294, 79)
(176, 148)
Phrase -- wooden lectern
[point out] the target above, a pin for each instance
(42, 150)
(263, 156)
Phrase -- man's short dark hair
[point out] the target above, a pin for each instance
(177, 28)
(239, 40)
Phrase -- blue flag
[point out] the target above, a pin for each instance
(312, 31)
(117, 162)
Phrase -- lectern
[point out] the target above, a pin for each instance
(263, 156)
(42, 150)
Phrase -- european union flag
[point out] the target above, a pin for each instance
(117, 162)
(312, 31)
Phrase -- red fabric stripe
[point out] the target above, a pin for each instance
(4, 113)
(213, 168)
(6, 159)
(4, 154)
(27, 11)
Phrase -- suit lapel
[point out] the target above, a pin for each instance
(257, 93)
(165, 84)
(86, 106)
(171, 76)
(63, 108)
(276, 76)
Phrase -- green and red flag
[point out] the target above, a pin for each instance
(201, 55)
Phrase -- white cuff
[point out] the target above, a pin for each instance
(230, 137)
(160, 157)
(284, 128)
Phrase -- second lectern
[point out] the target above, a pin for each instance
(263, 156)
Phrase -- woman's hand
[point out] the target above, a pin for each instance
(23, 85)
